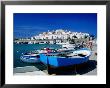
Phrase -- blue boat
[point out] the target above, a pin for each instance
(61, 59)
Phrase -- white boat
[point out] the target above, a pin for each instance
(67, 46)
(30, 57)
(81, 52)
(62, 43)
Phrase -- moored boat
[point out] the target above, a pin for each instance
(65, 59)
(46, 50)
(30, 57)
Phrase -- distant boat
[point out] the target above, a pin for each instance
(62, 43)
(67, 46)
(62, 59)
(30, 42)
(30, 57)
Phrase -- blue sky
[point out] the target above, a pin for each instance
(31, 24)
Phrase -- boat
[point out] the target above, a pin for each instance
(47, 50)
(30, 57)
(61, 59)
(67, 46)
(62, 43)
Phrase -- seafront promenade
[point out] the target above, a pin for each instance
(49, 41)
(39, 41)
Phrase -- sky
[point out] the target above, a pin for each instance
(31, 24)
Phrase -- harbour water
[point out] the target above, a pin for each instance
(19, 49)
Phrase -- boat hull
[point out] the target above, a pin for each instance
(55, 61)
(29, 60)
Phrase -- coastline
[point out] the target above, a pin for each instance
(90, 69)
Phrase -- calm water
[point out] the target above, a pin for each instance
(22, 48)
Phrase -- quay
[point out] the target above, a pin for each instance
(49, 41)
(39, 41)
(28, 70)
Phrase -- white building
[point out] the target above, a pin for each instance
(60, 34)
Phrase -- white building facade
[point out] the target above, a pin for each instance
(60, 34)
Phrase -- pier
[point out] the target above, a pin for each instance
(39, 41)
(48, 41)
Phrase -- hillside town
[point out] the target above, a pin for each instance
(55, 37)
(60, 34)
